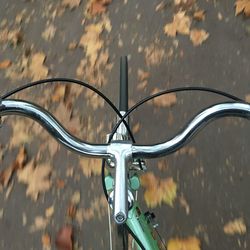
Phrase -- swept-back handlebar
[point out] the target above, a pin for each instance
(120, 154)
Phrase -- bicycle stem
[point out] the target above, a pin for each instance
(122, 155)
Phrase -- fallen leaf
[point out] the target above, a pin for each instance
(167, 100)
(14, 36)
(199, 15)
(40, 223)
(236, 226)
(37, 70)
(72, 46)
(136, 128)
(142, 75)
(49, 211)
(160, 6)
(247, 98)
(198, 36)
(242, 6)
(71, 211)
(46, 241)
(154, 54)
(58, 93)
(181, 24)
(5, 64)
(6, 174)
(90, 166)
(98, 6)
(191, 151)
(49, 32)
(20, 133)
(158, 190)
(184, 204)
(71, 4)
(60, 183)
(64, 238)
(65, 116)
(190, 243)
(91, 41)
(76, 197)
(36, 177)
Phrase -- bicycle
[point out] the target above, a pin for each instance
(121, 155)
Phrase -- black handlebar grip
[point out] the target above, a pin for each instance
(123, 101)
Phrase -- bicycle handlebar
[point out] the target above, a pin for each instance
(122, 152)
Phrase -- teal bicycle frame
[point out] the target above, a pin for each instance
(137, 221)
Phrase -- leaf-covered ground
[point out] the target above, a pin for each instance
(51, 198)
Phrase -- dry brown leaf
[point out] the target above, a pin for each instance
(242, 6)
(49, 32)
(154, 54)
(181, 24)
(6, 174)
(64, 115)
(59, 93)
(72, 45)
(142, 75)
(37, 70)
(64, 238)
(198, 36)
(160, 6)
(60, 183)
(199, 15)
(76, 197)
(190, 243)
(71, 211)
(183, 203)
(98, 6)
(71, 4)
(165, 100)
(46, 241)
(142, 85)
(191, 151)
(21, 133)
(14, 36)
(91, 41)
(40, 223)
(136, 128)
(5, 64)
(37, 178)
(247, 98)
(236, 226)
(158, 190)
(90, 166)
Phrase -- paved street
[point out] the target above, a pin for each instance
(84, 40)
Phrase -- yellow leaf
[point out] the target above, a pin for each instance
(236, 226)
(169, 188)
(190, 243)
(158, 190)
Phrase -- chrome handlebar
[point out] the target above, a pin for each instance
(122, 152)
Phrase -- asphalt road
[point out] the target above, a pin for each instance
(214, 181)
